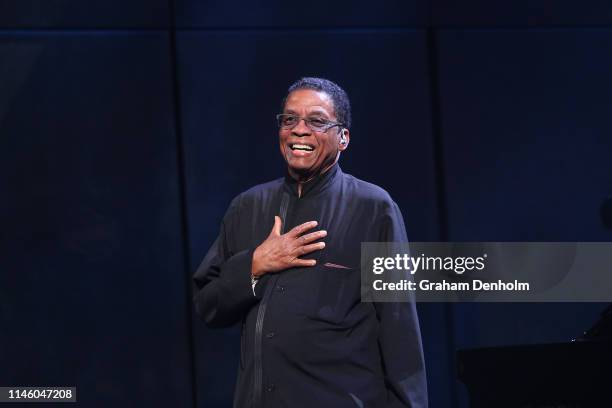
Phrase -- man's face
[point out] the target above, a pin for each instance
(309, 152)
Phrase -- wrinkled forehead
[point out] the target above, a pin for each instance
(309, 101)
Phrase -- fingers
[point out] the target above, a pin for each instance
(303, 262)
(276, 228)
(306, 249)
(313, 236)
(302, 228)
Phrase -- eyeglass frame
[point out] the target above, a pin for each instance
(329, 124)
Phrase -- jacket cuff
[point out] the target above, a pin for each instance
(236, 275)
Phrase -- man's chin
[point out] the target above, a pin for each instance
(300, 169)
(300, 165)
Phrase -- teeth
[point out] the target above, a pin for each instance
(301, 147)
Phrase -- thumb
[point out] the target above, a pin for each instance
(276, 228)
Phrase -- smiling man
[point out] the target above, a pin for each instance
(307, 339)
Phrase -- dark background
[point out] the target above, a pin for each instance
(126, 127)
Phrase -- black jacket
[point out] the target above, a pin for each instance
(307, 339)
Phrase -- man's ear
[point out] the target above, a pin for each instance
(345, 138)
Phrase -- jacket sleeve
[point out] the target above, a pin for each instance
(223, 292)
(399, 334)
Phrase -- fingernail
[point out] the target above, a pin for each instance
(323, 233)
(322, 245)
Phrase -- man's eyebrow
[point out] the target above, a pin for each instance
(318, 112)
(314, 112)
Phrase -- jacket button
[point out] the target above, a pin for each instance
(280, 288)
(270, 388)
(270, 335)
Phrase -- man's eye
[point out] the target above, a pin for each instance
(318, 122)
(289, 120)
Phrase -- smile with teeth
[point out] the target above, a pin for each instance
(304, 147)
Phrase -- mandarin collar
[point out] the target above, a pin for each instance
(315, 184)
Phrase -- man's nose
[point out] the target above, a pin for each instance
(301, 129)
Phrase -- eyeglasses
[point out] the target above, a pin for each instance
(316, 124)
